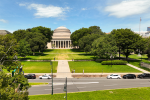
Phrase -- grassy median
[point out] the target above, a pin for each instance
(115, 94)
(38, 83)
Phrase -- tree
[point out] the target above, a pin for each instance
(37, 41)
(148, 48)
(24, 48)
(47, 32)
(87, 48)
(104, 46)
(126, 40)
(8, 84)
(19, 34)
(76, 35)
(8, 47)
(8, 87)
(87, 40)
(96, 30)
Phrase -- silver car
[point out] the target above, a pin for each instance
(45, 77)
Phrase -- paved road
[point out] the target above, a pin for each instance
(86, 84)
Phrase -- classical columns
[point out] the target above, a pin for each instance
(70, 43)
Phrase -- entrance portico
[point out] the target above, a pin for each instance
(61, 44)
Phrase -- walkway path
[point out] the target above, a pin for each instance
(63, 69)
(142, 70)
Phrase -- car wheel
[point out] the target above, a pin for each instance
(142, 77)
(40, 78)
(134, 77)
(110, 77)
(118, 78)
(126, 77)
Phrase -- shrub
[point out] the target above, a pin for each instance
(114, 62)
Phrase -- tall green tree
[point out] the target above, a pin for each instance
(19, 34)
(96, 30)
(24, 48)
(86, 41)
(104, 46)
(47, 32)
(126, 40)
(147, 50)
(37, 41)
(76, 35)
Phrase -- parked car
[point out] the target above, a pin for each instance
(46, 76)
(144, 75)
(129, 76)
(114, 76)
(30, 76)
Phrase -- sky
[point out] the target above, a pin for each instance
(75, 14)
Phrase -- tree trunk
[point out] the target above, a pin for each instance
(39, 51)
(119, 53)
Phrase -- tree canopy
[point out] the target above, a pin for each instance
(104, 46)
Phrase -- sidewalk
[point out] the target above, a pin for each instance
(142, 70)
(63, 69)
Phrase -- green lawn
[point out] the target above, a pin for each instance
(62, 55)
(96, 67)
(115, 94)
(37, 67)
(35, 83)
(63, 51)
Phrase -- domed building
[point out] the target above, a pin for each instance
(60, 39)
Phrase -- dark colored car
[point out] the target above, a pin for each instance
(144, 75)
(30, 76)
(129, 76)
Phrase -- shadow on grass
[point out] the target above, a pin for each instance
(76, 50)
(48, 50)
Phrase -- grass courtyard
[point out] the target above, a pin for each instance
(37, 67)
(96, 67)
(115, 94)
(58, 54)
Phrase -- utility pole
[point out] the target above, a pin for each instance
(52, 75)
(140, 25)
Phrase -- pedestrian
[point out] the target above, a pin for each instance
(54, 59)
(83, 71)
(74, 70)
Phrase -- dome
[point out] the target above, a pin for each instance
(61, 33)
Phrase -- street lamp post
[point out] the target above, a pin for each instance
(52, 75)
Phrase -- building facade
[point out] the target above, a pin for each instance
(60, 39)
(4, 32)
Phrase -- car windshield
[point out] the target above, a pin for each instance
(111, 75)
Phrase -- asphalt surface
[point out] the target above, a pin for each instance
(85, 84)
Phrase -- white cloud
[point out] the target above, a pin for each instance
(4, 21)
(128, 8)
(21, 4)
(83, 9)
(44, 11)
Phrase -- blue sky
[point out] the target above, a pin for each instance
(74, 14)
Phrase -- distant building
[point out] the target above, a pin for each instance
(148, 28)
(60, 39)
(4, 32)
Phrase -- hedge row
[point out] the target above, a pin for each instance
(114, 62)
